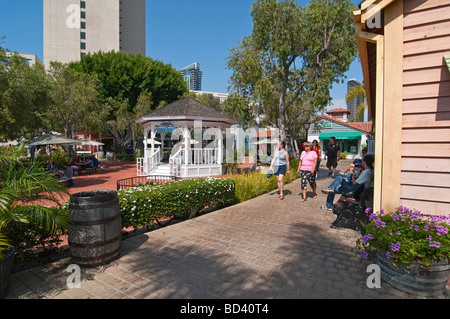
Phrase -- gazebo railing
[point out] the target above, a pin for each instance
(147, 165)
(142, 180)
(203, 156)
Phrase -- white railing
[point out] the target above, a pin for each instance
(146, 165)
(203, 156)
(175, 162)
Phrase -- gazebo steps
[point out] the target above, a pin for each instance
(162, 170)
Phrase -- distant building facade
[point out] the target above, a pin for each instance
(30, 59)
(193, 76)
(353, 104)
(75, 28)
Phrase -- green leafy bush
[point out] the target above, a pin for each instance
(141, 206)
(254, 184)
(28, 238)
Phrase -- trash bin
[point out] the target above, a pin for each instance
(95, 228)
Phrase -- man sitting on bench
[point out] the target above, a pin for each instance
(359, 181)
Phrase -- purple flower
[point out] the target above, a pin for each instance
(398, 233)
(389, 255)
(395, 247)
(395, 216)
(366, 238)
(441, 230)
(364, 255)
(368, 210)
(434, 244)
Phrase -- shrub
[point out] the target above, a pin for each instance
(256, 183)
(31, 236)
(141, 206)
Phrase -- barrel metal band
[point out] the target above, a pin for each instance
(96, 222)
(77, 206)
(97, 244)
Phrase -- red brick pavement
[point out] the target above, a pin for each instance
(262, 248)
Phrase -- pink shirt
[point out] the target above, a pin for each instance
(308, 160)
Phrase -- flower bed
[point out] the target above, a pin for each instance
(141, 206)
(406, 236)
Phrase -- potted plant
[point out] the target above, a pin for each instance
(22, 183)
(411, 248)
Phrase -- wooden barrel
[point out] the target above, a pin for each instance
(430, 282)
(95, 228)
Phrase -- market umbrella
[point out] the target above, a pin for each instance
(266, 141)
(50, 139)
(85, 141)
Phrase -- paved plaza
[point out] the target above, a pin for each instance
(262, 248)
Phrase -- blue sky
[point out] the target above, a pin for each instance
(178, 32)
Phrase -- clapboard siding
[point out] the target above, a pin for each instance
(427, 207)
(417, 135)
(428, 193)
(435, 74)
(426, 150)
(426, 120)
(424, 60)
(410, 7)
(426, 31)
(425, 179)
(432, 105)
(425, 175)
(437, 165)
(433, 14)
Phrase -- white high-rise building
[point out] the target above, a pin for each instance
(73, 28)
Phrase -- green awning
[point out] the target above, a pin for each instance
(341, 135)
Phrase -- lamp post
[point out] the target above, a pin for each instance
(306, 125)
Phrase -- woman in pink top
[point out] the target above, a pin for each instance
(307, 169)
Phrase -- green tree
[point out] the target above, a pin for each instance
(288, 63)
(124, 75)
(127, 82)
(24, 96)
(75, 104)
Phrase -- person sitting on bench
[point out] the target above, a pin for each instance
(340, 186)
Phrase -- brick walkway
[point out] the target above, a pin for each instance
(263, 248)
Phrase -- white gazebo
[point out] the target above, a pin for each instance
(194, 134)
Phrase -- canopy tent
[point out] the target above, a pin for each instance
(266, 141)
(85, 141)
(50, 139)
(341, 135)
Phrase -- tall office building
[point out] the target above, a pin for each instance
(193, 76)
(353, 104)
(73, 28)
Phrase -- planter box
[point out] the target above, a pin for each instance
(416, 280)
(6, 265)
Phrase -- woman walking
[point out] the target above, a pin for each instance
(279, 165)
(307, 169)
(318, 150)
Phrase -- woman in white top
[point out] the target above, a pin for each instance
(279, 165)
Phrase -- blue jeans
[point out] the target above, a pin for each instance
(336, 186)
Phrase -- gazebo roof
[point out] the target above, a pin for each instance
(186, 108)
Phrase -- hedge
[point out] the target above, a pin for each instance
(141, 206)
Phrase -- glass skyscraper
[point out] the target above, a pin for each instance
(193, 76)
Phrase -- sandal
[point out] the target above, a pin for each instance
(281, 196)
(303, 200)
(314, 196)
